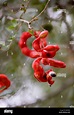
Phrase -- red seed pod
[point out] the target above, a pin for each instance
(51, 82)
(36, 64)
(36, 44)
(42, 37)
(31, 53)
(23, 39)
(43, 43)
(57, 63)
(4, 82)
(24, 48)
(53, 62)
(40, 42)
(40, 77)
(52, 48)
(43, 34)
(39, 73)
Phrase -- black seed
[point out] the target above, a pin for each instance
(48, 55)
(53, 74)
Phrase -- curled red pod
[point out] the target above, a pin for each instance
(23, 39)
(40, 76)
(56, 63)
(53, 62)
(4, 82)
(36, 64)
(36, 44)
(39, 73)
(40, 41)
(30, 53)
(24, 48)
(43, 43)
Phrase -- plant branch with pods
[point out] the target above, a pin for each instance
(42, 52)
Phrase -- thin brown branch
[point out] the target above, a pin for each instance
(21, 20)
(25, 8)
(36, 17)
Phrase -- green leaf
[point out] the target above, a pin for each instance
(31, 31)
(12, 25)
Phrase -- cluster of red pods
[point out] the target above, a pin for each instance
(43, 54)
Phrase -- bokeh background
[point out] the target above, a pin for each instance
(25, 90)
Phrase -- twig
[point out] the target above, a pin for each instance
(11, 18)
(25, 8)
(21, 20)
(36, 17)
